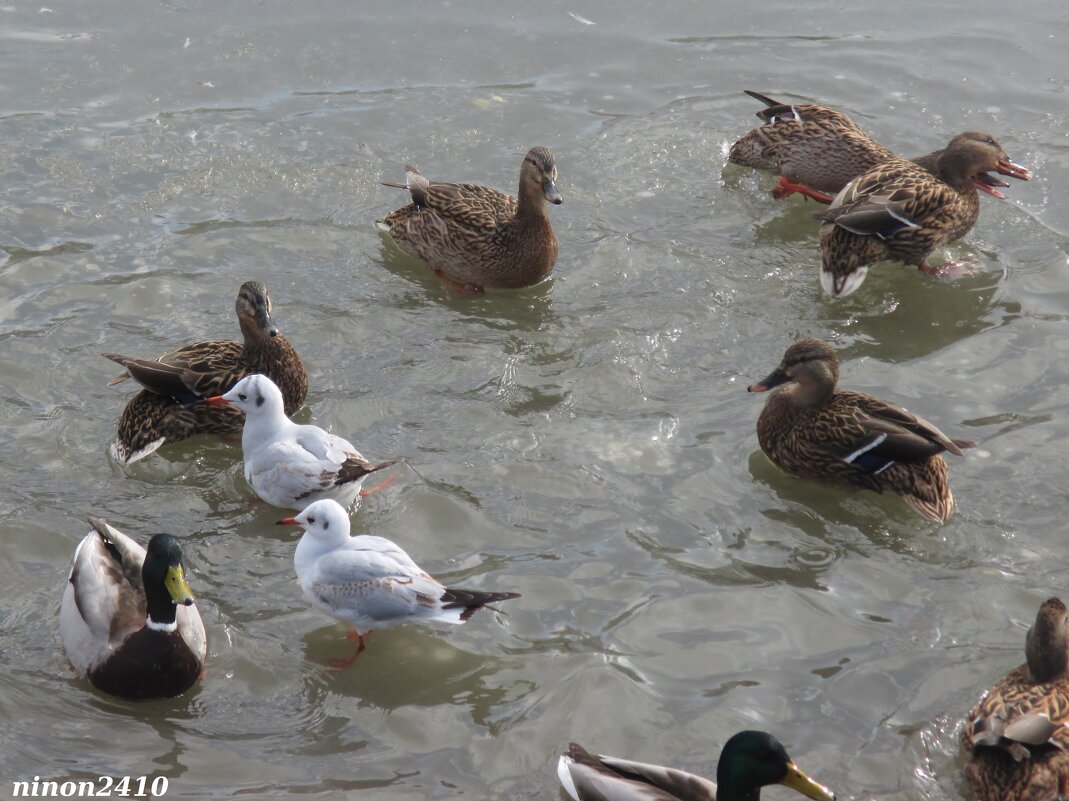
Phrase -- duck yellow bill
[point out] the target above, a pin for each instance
(800, 783)
(177, 587)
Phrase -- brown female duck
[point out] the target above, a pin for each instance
(749, 761)
(815, 149)
(813, 430)
(167, 409)
(1017, 737)
(901, 210)
(476, 237)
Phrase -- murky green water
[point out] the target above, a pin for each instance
(588, 442)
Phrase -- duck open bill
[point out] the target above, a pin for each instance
(1014, 170)
(986, 182)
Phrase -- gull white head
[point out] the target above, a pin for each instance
(325, 521)
(256, 395)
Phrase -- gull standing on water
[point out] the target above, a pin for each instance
(291, 465)
(369, 582)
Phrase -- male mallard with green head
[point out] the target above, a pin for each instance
(901, 210)
(812, 430)
(167, 409)
(475, 237)
(749, 761)
(127, 618)
(1017, 737)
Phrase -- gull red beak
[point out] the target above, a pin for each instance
(217, 400)
(288, 521)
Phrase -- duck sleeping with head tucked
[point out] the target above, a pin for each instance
(812, 430)
(475, 237)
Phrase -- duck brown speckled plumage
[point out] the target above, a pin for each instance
(814, 149)
(1016, 738)
(902, 210)
(477, 237)
(812, 430)
(168, 408)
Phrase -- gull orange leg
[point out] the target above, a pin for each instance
(787, 188)
(378, 487)
(339, 664)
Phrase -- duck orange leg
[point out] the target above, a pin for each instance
(787, 188)
(456, 286)
(948, 269)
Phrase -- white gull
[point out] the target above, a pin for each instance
(291, 465)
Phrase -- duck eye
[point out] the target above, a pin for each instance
(242, 396)
(311, 519)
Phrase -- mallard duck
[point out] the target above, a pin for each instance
(901, 211)
(814, 149)
(749, 761)
(812, 430)
(1017, 737)
(369, 582)
(167, 409)
(127, 618)
(475, 237)
(291, 465)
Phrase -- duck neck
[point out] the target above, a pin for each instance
(161, 609)
(532, 203)
(731, 787)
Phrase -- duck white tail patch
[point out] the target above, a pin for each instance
(849, 284)
(166, 628)
(119, 452)
(382, 226)
(564, 774)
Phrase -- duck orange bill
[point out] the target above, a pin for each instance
(1013, 169)
(773, 379)
(986, 182)
(217, 400)
(288, 521)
